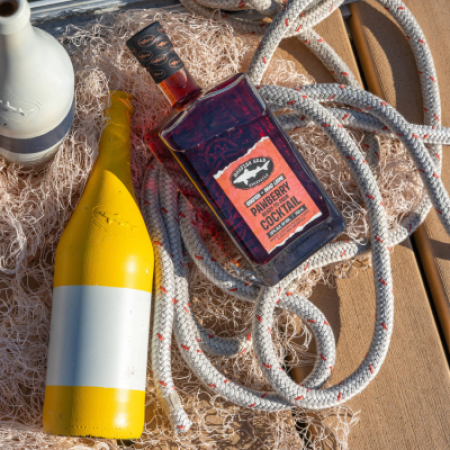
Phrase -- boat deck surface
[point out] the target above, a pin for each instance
(407, 405)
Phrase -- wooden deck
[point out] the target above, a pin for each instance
(407, 406)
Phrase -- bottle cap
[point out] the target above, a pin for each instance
(153, 49)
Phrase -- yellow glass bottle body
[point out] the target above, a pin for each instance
(97, 355)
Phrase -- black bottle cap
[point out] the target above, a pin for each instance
(155, 52)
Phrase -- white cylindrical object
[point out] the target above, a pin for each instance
(36, 88)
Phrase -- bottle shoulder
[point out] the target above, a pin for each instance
(231, 104)
(36, 85)
(110, 202)
(106, 242)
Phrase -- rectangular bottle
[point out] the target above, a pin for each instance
(229, 156)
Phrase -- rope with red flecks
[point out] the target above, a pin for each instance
(169, 220)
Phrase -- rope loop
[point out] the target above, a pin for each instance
(174, 230)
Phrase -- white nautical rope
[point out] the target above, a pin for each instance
(171, 219)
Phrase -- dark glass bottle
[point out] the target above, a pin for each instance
(228, 155)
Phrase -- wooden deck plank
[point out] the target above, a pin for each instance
(391, 73)
(405, 406)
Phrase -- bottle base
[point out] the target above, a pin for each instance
(299, 251)
(87, 411)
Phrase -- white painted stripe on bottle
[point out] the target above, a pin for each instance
(99, 337)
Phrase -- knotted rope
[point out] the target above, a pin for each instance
(170, 219)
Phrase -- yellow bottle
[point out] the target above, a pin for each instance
(97, 355)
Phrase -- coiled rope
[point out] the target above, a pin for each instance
(170, 219)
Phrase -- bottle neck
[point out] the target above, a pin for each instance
(14, 16)
(115, 143)
(17, 36)
(18, 45)
(180, 88)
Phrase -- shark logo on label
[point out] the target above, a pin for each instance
(158, 74)
(159, 60)
(145, 55)
(144, 41)
(18, 109)
(175, 63)
(163, 43)
(252, 172)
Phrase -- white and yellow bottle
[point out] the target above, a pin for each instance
(97, 356)
(37, 104)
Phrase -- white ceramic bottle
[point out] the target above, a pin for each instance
(36, 88)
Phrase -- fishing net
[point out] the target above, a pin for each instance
(36, 205)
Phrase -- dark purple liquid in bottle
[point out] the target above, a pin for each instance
(226, 150)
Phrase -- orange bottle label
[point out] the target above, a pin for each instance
(267, 194)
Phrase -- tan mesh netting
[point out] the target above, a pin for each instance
(36, 205)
